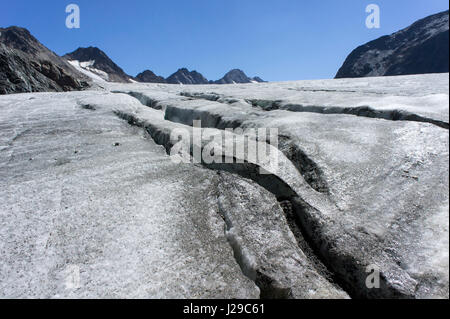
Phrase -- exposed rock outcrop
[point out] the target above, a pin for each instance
(96, 61)
(28, 66)
(184, 76)
(421, 48)
(237, 76)
(149, 77)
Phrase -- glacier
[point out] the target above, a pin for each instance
(88, 186)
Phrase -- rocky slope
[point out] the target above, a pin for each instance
(28, 66)
(237, 76)
(149, 77)
(421, 48)
(184, 76)
(95, 60)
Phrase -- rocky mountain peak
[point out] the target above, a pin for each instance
(148, 76)
(237, 76)
(258, 79)
(19, 39)
(101, 62)
(184, 76)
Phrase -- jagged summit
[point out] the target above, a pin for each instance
(237, 76)
(83, 64)
(20, 39)
(184, 76)
(420, 48)
(99, 61)
(148, 76)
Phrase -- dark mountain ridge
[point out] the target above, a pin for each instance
(420, 48)
(237, 76)
(100, 61)
(149, 77)
(184, 76)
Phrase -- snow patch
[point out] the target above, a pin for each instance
(93, 73)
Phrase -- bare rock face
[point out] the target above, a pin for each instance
(184, 76)
(27, 66)
(99, 61)
(149, 77)
(237, 76)
(420, 48)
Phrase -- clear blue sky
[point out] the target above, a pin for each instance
(277, 40)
